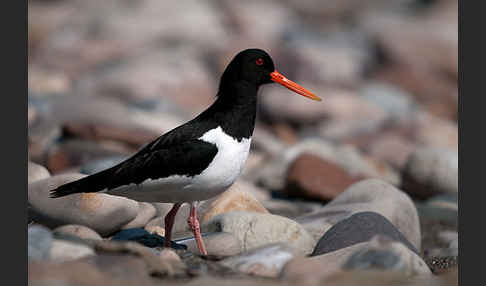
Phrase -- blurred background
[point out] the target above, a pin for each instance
(107, 77)
(119, 73)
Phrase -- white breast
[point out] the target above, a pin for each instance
(228, 162)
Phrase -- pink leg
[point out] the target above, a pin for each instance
(194, 224)
(169, 222)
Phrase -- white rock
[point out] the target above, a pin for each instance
(256, 229)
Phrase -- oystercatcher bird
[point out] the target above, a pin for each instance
(201, 158)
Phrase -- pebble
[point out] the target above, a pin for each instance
(257, 229)
(383, 253)
(367, 195)
(311, 177)
(233, 199)
(36, 172)
(146, 212)
(359, 227)
(155, 263)
(265, 261)
(103, 213)
(221, 244)
(365, 255)
(431, 171)
(64, 250)
(80, 231)
(39, 242)
(241, 196)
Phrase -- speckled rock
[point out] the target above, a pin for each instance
(100, 212)
(146, 212)
(367, 195)
(431, 171)
(257, 229)
(265, 261)
(36, 172)
(80, 231)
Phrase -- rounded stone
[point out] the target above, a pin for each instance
(101, 212)
(360, 227)
(257, 229)
(39, 242)
(368, 195)
(217, 243)
(146, 212)
(80, 231)
(431, 171)
(36, 172)
(233, 199)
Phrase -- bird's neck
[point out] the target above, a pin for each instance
(235, 109)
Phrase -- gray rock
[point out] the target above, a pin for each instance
(64, 250)
(431, 171)
(379, 251)
(100, 212)
(217, 243)
(360, 227)
(265, 261)
(382, 253)
(146, 212)
(36, 172)
(257, 229)
(39, 242)
(367, 195)
(80, 231)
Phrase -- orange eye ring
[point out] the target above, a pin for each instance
(259, 62)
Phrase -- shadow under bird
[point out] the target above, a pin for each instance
(201, 158)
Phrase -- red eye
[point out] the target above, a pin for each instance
(259, 62)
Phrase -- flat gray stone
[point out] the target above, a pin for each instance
(360, 227)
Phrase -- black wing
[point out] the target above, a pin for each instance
(189, 158)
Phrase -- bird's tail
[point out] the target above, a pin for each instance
(90, 184)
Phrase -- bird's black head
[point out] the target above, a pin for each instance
(254, 67)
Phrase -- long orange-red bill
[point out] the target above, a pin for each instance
(279, 78)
